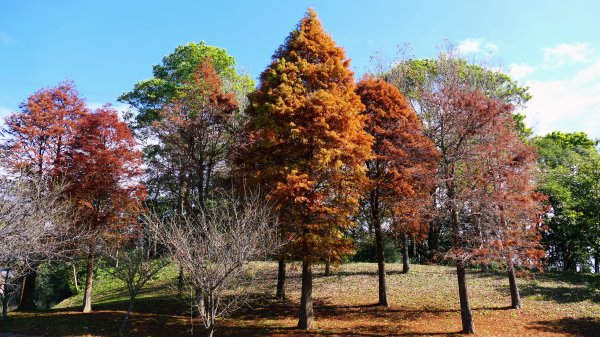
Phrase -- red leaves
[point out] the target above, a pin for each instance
(103, 170)
(401, 172)
(40, 135)
(94, 153)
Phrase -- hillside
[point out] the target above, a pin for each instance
(423, 302)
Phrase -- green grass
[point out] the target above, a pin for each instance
(423, 302)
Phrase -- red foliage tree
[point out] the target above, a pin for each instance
(459, 118)
(102, 175)
(37, 141)
(402, 171)
(505, 207)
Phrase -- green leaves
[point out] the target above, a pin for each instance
(178, 67)
(570, 176)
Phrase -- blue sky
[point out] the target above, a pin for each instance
(107, 46)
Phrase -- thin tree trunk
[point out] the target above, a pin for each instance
(5, 296)
(597, 264)
(75, 282)
(89, 281)
(461, 273)
(379, 244)
(208, 307)
(26, 301)
(465, 309)
(123, 328)
(515, 298)
(306, 304)
(180, 279)
(414, 246)
(210, 330)
(380, 264)
(200, 309)
(327, 268)
(4, 305)
(280, 294)
(433, 240)
(405, 259)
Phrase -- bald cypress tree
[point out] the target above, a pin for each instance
(306, 147)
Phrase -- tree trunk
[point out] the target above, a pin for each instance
(180, 279)
(210, 330)
(306, 305)
(209, 310)
(89, 281)
(433, 241)
(5, 296)
(280, 294)
(461, 273)
(26, 301)
(4, 306)
(414, 247)
(123, 328)
(515, 298)
(379, 244)
(465, 309)
(405, 259)
(597, 264)
(75, 278)
(199, 309)
(327, 268)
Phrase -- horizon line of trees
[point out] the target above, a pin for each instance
(428, 154)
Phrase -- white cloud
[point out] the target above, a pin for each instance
(566, 53)
(476, 46)
(6, 39)
(120, 107)
(518, 71)
(569, 104)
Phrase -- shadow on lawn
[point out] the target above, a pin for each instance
(578, 327)
(164, 316)
(562, 294)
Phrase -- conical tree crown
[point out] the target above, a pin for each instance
(306, 143)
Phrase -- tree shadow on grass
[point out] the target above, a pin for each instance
(578, 327)
(561, 294)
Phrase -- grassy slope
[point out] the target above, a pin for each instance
(424, 302)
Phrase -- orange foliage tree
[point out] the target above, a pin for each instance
(402, 170)
(102, 173)
(306, 147)
(36, 143)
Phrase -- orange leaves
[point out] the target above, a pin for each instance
(306, 144)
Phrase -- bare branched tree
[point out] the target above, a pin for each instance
(35, 226)
(133, 264)
(214, 248)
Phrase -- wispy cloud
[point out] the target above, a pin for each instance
(476, 46)
(568, 53)
(6, 39)
(567, 104)
(518, 71)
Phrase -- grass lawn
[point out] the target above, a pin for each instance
(423, 303)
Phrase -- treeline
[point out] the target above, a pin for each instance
(211, 172)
